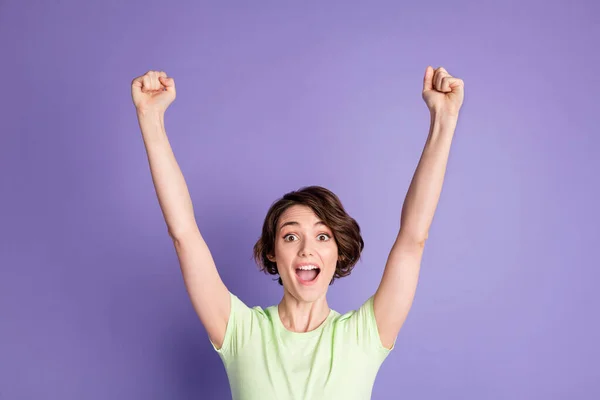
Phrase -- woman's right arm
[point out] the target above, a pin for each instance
(152, 93)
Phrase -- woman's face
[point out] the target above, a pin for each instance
(303, 242)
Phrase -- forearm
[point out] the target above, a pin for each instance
(169, 183)
(426, 186)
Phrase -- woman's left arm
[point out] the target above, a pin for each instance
(392, 301)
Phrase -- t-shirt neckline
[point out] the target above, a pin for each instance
(299, 335)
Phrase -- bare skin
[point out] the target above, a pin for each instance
(303, 307)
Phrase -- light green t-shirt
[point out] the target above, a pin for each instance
(338, 360)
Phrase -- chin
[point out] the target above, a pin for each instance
(309, 296)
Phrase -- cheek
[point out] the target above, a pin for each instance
(333, 250)
(331, 257)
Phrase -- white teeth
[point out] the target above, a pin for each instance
(308, 267)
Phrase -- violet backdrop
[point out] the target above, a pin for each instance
(273, 96)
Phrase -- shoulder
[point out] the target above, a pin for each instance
(360, 327)
(364, 311)
(243, 324)
(243, 310)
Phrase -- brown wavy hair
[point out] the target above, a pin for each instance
(328, 207)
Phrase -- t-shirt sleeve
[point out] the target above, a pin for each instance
(241, 325)
(364, 326)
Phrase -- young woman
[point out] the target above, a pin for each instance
(300, 348)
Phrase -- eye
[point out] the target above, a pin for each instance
(286, 236)
(292, 235)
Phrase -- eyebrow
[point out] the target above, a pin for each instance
(296, 223)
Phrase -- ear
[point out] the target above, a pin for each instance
(270, 258)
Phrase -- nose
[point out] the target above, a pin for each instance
(305, 250)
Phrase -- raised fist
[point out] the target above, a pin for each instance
(442, 92)
(153, 91)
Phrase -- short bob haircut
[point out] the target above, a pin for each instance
(328, 207)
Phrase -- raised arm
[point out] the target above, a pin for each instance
(443, 95)
(152, 93)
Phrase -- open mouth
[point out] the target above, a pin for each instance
(307, 276)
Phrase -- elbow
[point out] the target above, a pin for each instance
(413, 239)
(183, 234)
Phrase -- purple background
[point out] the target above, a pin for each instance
(272, 97)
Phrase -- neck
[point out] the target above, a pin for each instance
(300, 316)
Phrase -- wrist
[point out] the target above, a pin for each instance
(443, 117)
(152, 124)
(442, 125)
(150, 114)
(444, 113)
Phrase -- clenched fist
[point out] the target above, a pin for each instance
(153, 91)
(442, 92)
